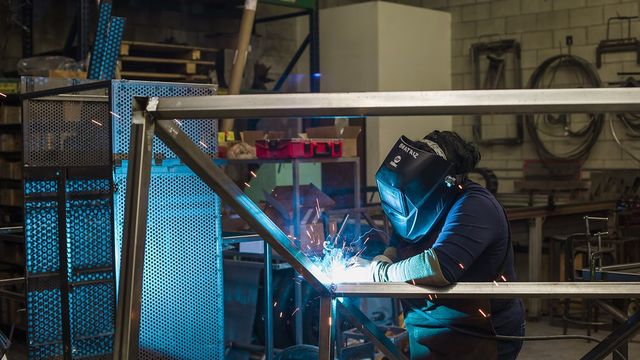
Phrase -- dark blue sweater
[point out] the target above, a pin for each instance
(472, 245)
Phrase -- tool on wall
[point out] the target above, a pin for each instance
(495, 55)
(623, 44)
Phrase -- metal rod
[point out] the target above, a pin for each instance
(295, 172)
(327, 334)
(12, 281)
(615, 313)
(465, 102)
(292, 63)
(65, 303)
(535, 259)
(282, 17)
(314, 49)
(369, 329)
(134, 235)
(171, 134)
(12, 295)
(617, 337)
(94, 85)
(503, 290)
(268, 300)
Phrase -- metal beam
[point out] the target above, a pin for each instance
(327, 333)
(12, 281)
(617, 337)
(401, 103)
(172, 135)
(134, 235)
(501, 290)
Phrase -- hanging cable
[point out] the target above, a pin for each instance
(624, 148)
(587, 76)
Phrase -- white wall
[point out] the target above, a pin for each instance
(380, 46)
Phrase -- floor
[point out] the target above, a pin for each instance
(536, 350)
(563, 349)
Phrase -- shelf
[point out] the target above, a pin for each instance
(164, 76)
(286, 161)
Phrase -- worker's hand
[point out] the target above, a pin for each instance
(389, 256)
(357, 270)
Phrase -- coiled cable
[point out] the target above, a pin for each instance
(589, 133)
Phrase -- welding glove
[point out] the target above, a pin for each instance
(422, 269)
(389, 256)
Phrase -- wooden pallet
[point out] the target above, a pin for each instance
(128, 48)
(165, 62)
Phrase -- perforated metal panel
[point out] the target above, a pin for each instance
(203, 132)
(112, 48)
(102, 31)
(66, 133)
(182, 300)
(70, 281)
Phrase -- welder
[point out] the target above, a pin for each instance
(447, 229)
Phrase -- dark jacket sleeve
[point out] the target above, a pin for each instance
(470, 227)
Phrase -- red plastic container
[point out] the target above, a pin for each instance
(284, 149)
(331, 148)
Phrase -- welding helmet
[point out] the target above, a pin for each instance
(417, 185)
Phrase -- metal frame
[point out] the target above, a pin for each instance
(158, 117)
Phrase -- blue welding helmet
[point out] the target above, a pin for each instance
(417, 185)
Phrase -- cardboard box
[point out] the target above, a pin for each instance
(250, 137)
(348, 134)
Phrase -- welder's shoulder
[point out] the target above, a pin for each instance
(477, 197)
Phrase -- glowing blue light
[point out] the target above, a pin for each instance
(316, 75)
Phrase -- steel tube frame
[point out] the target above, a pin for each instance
(350, 104)
(134, 235)
(490, 290)
(401, 103)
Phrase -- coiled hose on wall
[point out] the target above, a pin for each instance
(588, 134)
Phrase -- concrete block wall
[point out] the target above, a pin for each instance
(541, 27)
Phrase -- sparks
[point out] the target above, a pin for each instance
(253, 174)
(203, 144)
(430, 298)
(365, 240)
(114, 114)
(461, 266)
(308, 234)
(295, 311)
(482, 312)
(96, 122)
(247, 185)
(178, 122)
(460, 187)
(329, 320)
(280, 313)
(495, 283)
(3, 95)
(503, 278)
(275, 303)
(414, 283)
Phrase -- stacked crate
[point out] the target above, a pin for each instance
(166, 62)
